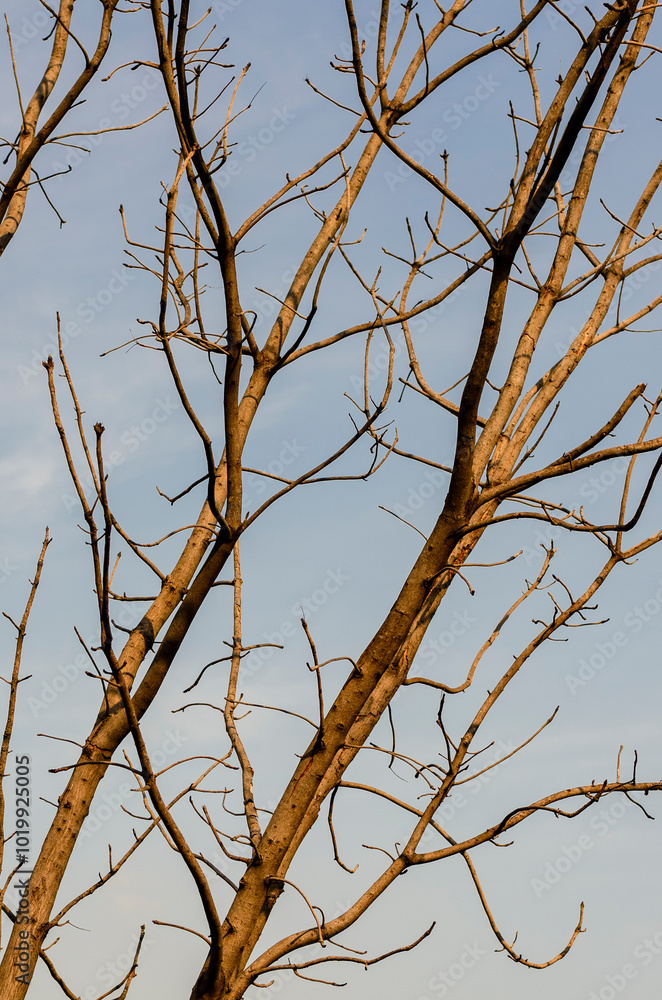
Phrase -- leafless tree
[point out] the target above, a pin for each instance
(532, 247)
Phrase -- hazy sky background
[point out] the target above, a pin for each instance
(330, 548)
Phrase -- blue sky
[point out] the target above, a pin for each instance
(330, 547)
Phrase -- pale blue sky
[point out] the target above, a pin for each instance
(332, 535)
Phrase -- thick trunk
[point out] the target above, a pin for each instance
(349, 722)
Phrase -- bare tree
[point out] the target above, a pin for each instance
(526, 258)
(31, 138)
